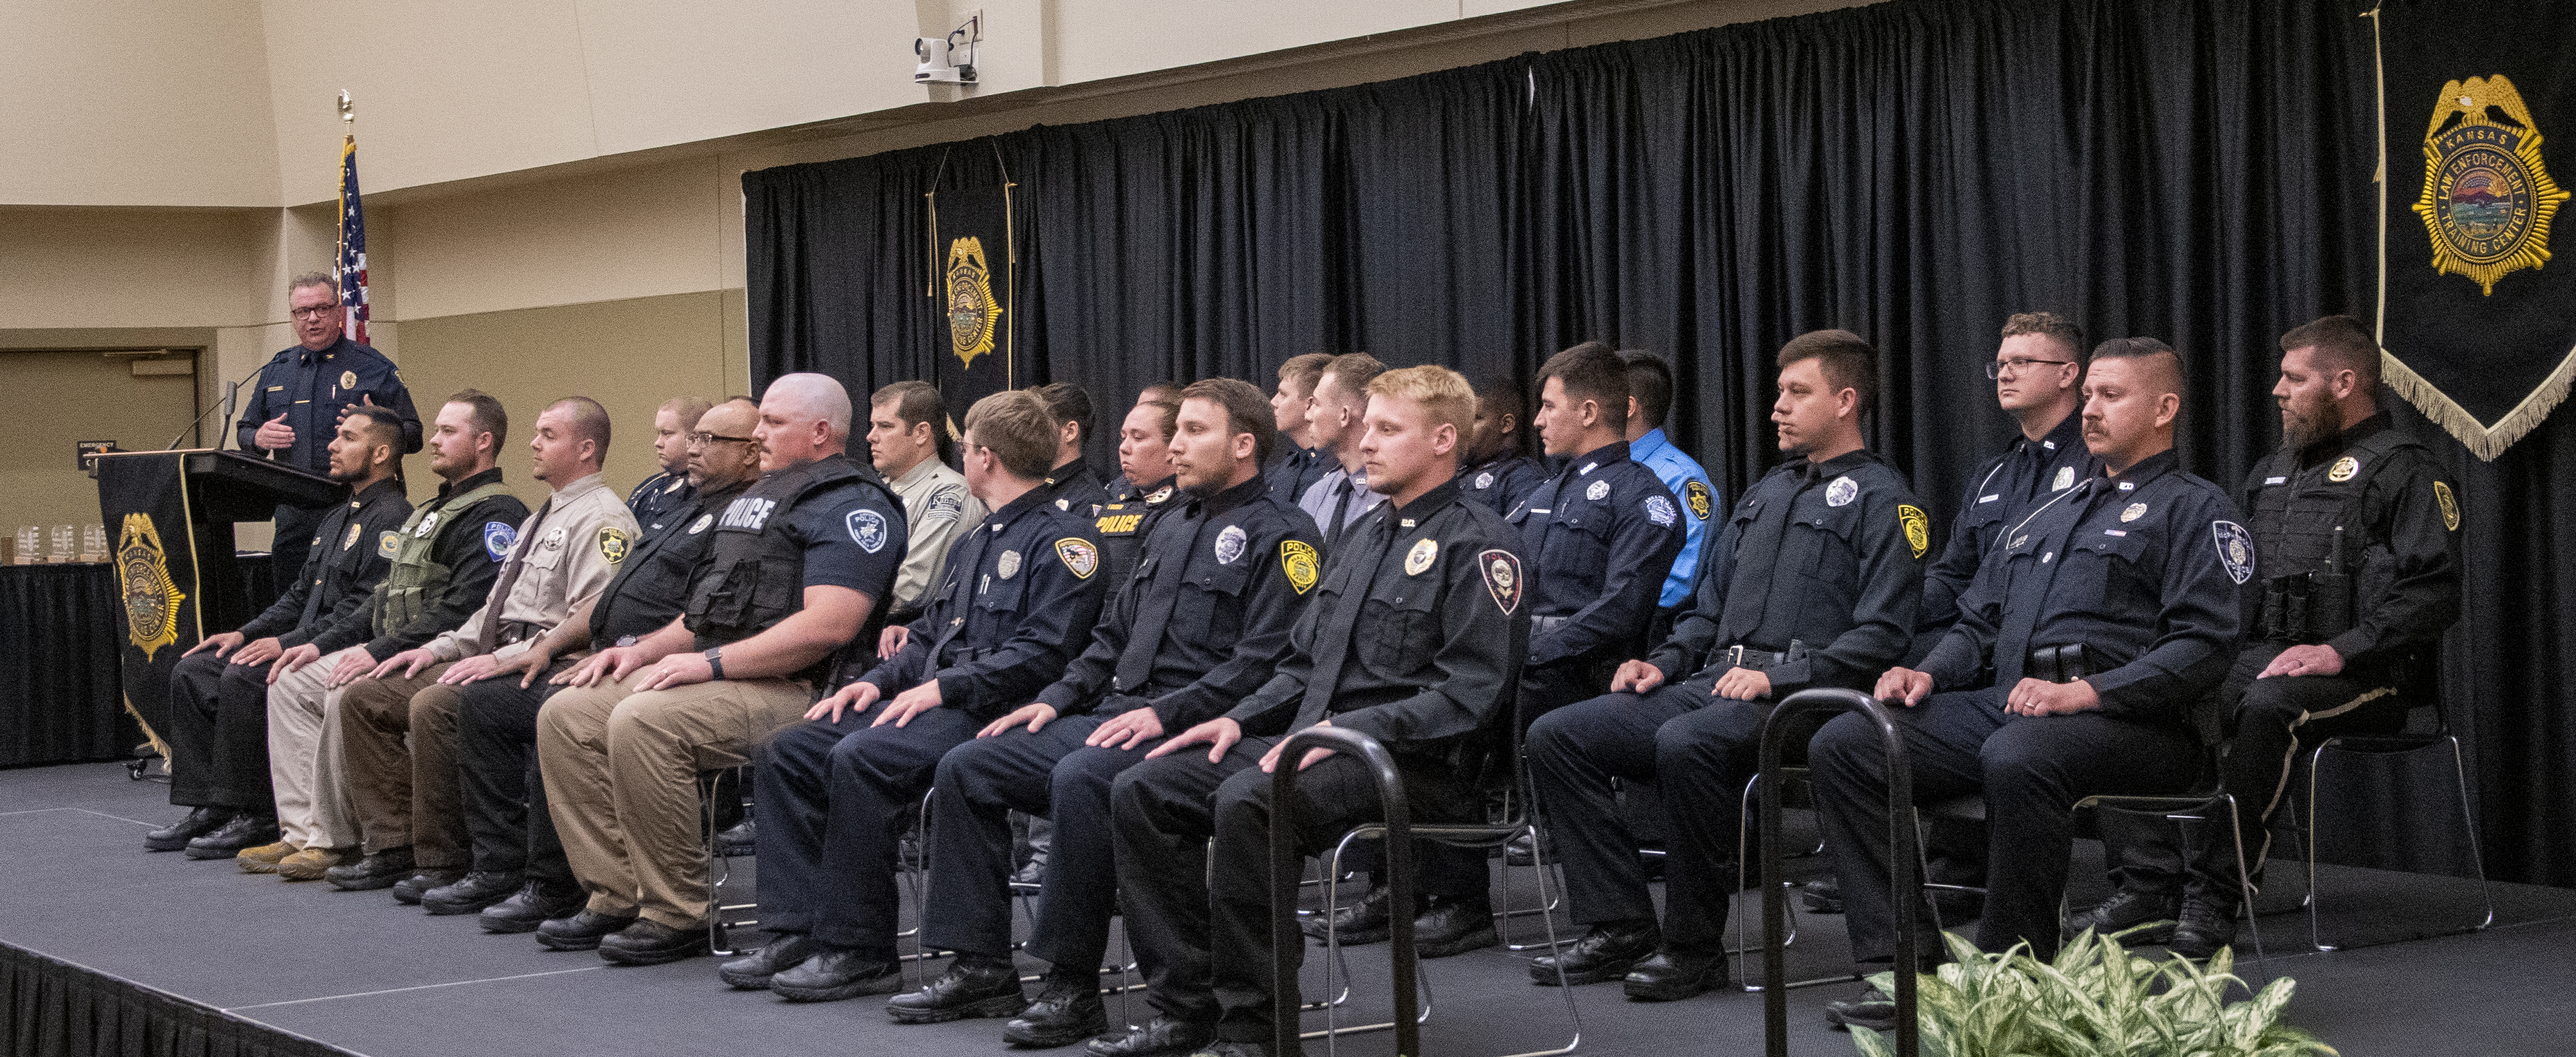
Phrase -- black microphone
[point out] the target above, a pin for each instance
(225, 405)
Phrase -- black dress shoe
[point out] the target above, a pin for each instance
(471, 893)
(176, 835)
(648, 942)
(2151, 913)
(1454, 927)
(831, 974)
(1874, 1009)
(751, 972)
(1824, 895)
(533, 905)
(1605, 953)
(972, 987)
(1231, 1048)
(582, 931)
(1160, 1037)
(245, 830)
(410, 890)
(2207, 925)
(739, 838)
(1668, 977)
(1355, 923)
(378, 870)
(1068, 1011)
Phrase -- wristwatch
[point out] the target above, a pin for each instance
(715, 662)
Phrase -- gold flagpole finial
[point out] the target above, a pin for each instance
(347, 112)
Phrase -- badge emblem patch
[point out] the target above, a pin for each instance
(388, 543)
(1229, 544)
(2065, 479)
(1079, 556)
(1008, 564)
(1484, 480)
(867, 528)
(1503, 578)
(143, 579)
(1660, 511)
(2343, 469)
(2132, 512)
(700, 525)
(1419, 558)
(1918, 527)
(352, 540)
(1695, 496)
(1841, 492)
(612, 543)
(972, 311)
(2235, 550)
(2487, 201)
(2450, 505)
(428, 524)
(1297, 559)
(348, 379)
(1599, 491)
(1160, 494)
(498, 538)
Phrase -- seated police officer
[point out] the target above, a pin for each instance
(1072, 485)
(1300, 461)
(1012, 606)
(1650, 402)
(798, 563)
(1498, 471)
(2104, 615)
(398, 724)
(1412, 639)
(446, 556)
(218, 728)
(1813, 582)
(2355, 526)
(519, 877)
(657, 500)
(1144, 489)
(1203, 623)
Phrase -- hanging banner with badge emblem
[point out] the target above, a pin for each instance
(143, 501)
(975, 257)
(2477, 100)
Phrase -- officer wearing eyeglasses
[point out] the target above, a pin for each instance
(301, 396)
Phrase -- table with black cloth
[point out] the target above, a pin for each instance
(60, 696)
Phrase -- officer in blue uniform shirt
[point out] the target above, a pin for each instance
(1202, 625)
(2105, 615)
(1650, 403)
(1019, 596)
(656, 499)
(300, 397)
(1812, 582)
(1499, 472)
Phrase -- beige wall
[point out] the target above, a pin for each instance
(57, 398)
(135, 102)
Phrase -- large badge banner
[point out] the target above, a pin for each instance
(2478, 119)
(974, 255)
(143, 499)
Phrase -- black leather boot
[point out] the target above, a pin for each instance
(1665, 976)
(471, 893)
(1160, 1037)
(244, 830)
(378, 870)
(752, 971)
(1068, 1011)
(582, 931)
(1603, 954)
(532, 906)
(972, 987)
(176, 835)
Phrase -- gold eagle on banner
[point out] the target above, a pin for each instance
(973, 315)
(2486, 200)
(143, 578)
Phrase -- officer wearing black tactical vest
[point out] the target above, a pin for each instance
(504, 804)
(792, 578)
(2355, 528)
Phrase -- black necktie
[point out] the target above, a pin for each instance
(1340, 510)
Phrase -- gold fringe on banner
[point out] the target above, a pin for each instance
(149, 734)
(2484, 441)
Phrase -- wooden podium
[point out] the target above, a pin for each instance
(169, 518)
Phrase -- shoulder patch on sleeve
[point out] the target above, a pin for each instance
(2450, 505)
(1503, 579)
(1298, 560)
(1079, 556)
(1697, 499)
(612, 543)
(945, 503)
(1918, 527)
(1660, 511)
(2235, 549)
(498, 538)
(388, 543)
(867, 528)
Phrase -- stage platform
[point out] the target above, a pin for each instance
(356, 972)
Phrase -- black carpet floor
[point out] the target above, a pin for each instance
(360, 972)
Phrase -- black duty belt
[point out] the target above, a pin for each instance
(2057, 664)
(1758, 660)
(1543, 625)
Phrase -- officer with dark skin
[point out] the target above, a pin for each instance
(1812, 581)
(1204, 623)
(1498, 473)
(2104, 615)
(219, 691)
(2356, 527)
(516, 851)
(1016, 601)
(304, 392)
(1414, 638)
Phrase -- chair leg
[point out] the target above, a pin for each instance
(2469, 831)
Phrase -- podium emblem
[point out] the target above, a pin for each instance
(143, 578)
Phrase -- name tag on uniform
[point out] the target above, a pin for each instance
(2269, 481)
(1990, 498)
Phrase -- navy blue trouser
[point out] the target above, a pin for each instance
(832, 799)
(2031, 770)
(1050, 774)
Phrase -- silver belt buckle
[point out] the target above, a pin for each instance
(1735, 655)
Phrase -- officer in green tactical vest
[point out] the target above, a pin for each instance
(445, 558)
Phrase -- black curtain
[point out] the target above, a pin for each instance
(2194, 170)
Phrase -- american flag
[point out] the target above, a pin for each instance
(353, 246)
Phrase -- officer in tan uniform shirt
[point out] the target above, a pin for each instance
(908, 443)
(406, 798)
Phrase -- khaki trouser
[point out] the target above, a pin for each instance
(304, 761)
(405, 796)
(621, 772)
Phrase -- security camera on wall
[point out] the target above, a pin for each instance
(949, 59)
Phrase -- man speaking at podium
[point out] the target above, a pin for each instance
(302, 395)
